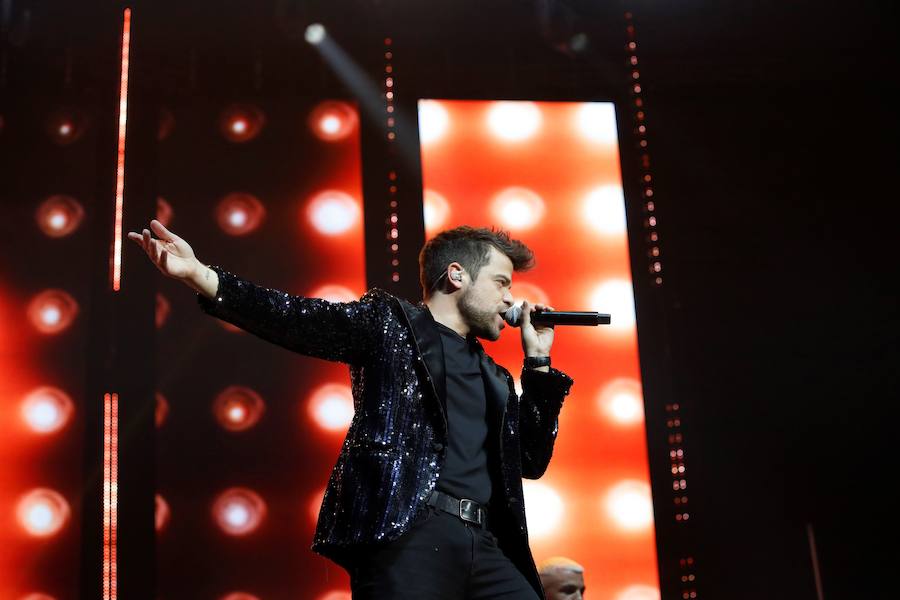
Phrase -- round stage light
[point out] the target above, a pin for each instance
(239, 511)
(241, 123)
(238, 408)
(331, 406)
(630, 505)
(59, 215)
(161, 411)
(65, 126)
(433, 121)
(517, 208)
(332, 212)
(334, 293)
(596, 121)
(47, 409)
(622, 401)
(52, 311)
(639, 592)
(615, 297)
(164, 212)
(42, 512)
(436, 211)
(332, 121)
(161, 513)
(604, 210)
(544, 509)
(240, 213)
(514, 121)
(315, 34)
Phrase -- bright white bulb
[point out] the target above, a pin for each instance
(58, 220)
(332, 407)
(604, 210)
(330, 124)
(46, 410)
(239, 126)
(514, 121)
(43, 415)
(544, 508)
(237, 218)
(518, 208)
(333, 212)
(433, 121)
(621, 400)
(237, 515)
(630, 505)
(315, 34)
(436, 210)
(615, 297)
(40, 518)
(236, 413)
(596, 121)
(51, 315)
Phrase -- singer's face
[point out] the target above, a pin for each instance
(484, 300)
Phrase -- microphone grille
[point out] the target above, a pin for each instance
(513, 315)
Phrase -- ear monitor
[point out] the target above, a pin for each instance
(456, 276)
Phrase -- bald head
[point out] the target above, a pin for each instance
(562, 578)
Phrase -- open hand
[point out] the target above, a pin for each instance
(173, 256)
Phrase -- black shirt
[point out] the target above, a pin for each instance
(465, 473)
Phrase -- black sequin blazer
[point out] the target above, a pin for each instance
(396, 444)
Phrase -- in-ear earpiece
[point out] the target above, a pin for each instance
(456, 276)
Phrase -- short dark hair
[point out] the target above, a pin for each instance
(471, 248)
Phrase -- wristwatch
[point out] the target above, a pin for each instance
(533, 362)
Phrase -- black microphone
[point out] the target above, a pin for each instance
(513, 316)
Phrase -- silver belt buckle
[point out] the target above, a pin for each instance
(466, 506)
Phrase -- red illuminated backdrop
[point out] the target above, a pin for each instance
(47, 199)
(248, 432)
(549, 173)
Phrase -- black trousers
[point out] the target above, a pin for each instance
(440, 558)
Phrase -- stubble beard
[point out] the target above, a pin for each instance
(482, 322)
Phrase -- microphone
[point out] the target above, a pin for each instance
(513, 316)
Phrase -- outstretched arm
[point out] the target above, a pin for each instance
(341, 331)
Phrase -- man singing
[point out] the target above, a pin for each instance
(425, 501)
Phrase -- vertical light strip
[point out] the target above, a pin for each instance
(116, 259)
(640, 131)
(393, 227)
(110, 494)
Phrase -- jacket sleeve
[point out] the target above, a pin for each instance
(337, 331)
(542, 399)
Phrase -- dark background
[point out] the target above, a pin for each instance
(772, 137)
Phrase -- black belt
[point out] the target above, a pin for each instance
(467, 510)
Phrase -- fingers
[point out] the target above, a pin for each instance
(160, 230)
